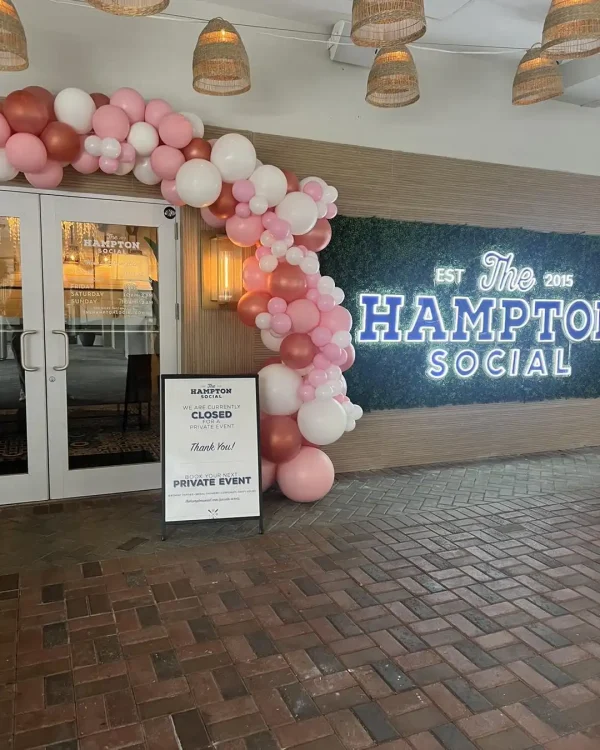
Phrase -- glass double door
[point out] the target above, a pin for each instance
(88, 291)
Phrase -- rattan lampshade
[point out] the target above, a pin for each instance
(572, 29)
(376, 23)
(537, 79)
(221, 66)
(131, 7)
(393, 80)
(13, 45)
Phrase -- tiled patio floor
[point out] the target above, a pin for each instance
(455, 608)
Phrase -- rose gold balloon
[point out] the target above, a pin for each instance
(100, 100)
(25, 112)
(197, 149)
(297, 350)
(317, 239)
(350, 351)
(280, 439)
(288, 282)
(61, 141)
(250, 305)
(44, 96)
(224, 206)
(292, 181)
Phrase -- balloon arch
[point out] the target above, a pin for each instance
(302, 390)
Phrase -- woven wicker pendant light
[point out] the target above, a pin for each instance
(572, 29)
(13, 45)
(376, 23)
(130, 7)
(221, 66)
(393, 80)
(537, 79)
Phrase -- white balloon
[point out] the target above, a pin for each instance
(271, 341)
(196, 123)
(234, 156)
(299, 210)
(330, 194)
(336, 387)
(294, 256)
(344, 386)
(289, 240)
(143, 137)
(338, 295)
(111, 148)
(7, 171)
(311, 254)
(144, 172)
(321, 209)
(267, 239)
(306, 180)
(334, 372)
(278, 387)
(258, 205)
(326, 285)
(198, 183)
(324, 392)
(342, 339)
(350, 425)
(322, 422)
(268, 263)
(125, 168)
(270, 182)
(309, 265)
(357, 412)
(279, 248)
(75, 108)
(93, 145)
(348, 407)
(263, 321)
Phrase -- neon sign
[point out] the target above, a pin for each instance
(489, 327)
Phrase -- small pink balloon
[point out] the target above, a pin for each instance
(243, 210)
(339, 398)
(314, 190)
(268, 471)
(131, 102)
(5, 131)
(156, 109)
(267, 218)
(325, 303)
(313, 295)
(332, 352)
(332, 211)
(108, 166)
(253, 277)
(338, 319)
(321, 362)
(86, 163)
(281, 324)
(262, 251)
(175, 130)
(49, 178)
(244, 232)
(304, 314)
(341, 360)
(277, 305)
(280, 228)
(317, 377)
(127, 153)
(166, 162)
(244, 191)
(308, 477)
(306, 392)
(320, 336)
(111, 122)
(213, 221)
(169, 192)
(351, 356)
(26, 152)
(312, 279)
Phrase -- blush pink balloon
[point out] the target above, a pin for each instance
(156, 109)
(176, 130)
(111, 122)
(253, 277)
(332, 352)
(281, 324)
(49, 178)
(338, 319)
(341, 360)
(268, 471)
(166, 162)
(213, 221)
(277, 305)
(325, 303)
(5, 131)
(26, 152)
(321, 336)
(244, 191)
(267, 217)
(262, 251)
(317, 377)
(314, 190)
(108, 166)
(312, 279)
(339, 398)
(280, 228)
(127, 153)
(306, 392)
(321, 362)
(332, 211)
(131, 102)
(244, 232)
(304, 314)
(313, 295)
(243, 211)
(86, 163)
(308, 477)
(169, 192)
(351, 352)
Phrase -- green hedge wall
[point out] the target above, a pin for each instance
(383, 256)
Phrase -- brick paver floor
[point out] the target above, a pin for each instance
(450, 623)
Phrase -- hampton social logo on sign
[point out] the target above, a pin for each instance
(490, 326)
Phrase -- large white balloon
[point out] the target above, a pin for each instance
(143, 137)
(196, 123)
(322, 422)
(278, 386)
(299, 210)
(7, 171)
(198, 183)
(234, 156)
(144, 172)
(75, 108)
(271, 183)
(271, 342)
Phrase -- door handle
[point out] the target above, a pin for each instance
(66, 339)
(24, 365)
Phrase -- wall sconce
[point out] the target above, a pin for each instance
(222, 264)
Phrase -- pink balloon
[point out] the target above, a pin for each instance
(304, 314)
(281, 324)
(108, 166)
(131, 102)
(268, 471)
(26, 152)
(169, 192)
(314, 190)
(341, 359)
(253, 277)
(244, 191)
(312, 280)
(243, 211)
(325, 303)
(49, 178)
(277, 305)
(321, 362)
(313, 295)
(5, 131)
(268, 217)
(156, 109)
(280, 228)
(332, 211)
(317, 377)
(308, 477)
(338, 319)
(321, 336)
(351, 352)
(306, 392)
(86, 163)
(176, 130)
(166, 162)
(213, 221)
(111, 122)
(244, 232)
(332, 352)
(262, 251)
(127, 153)
(339, 398)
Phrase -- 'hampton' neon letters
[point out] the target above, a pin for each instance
(488, 325)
